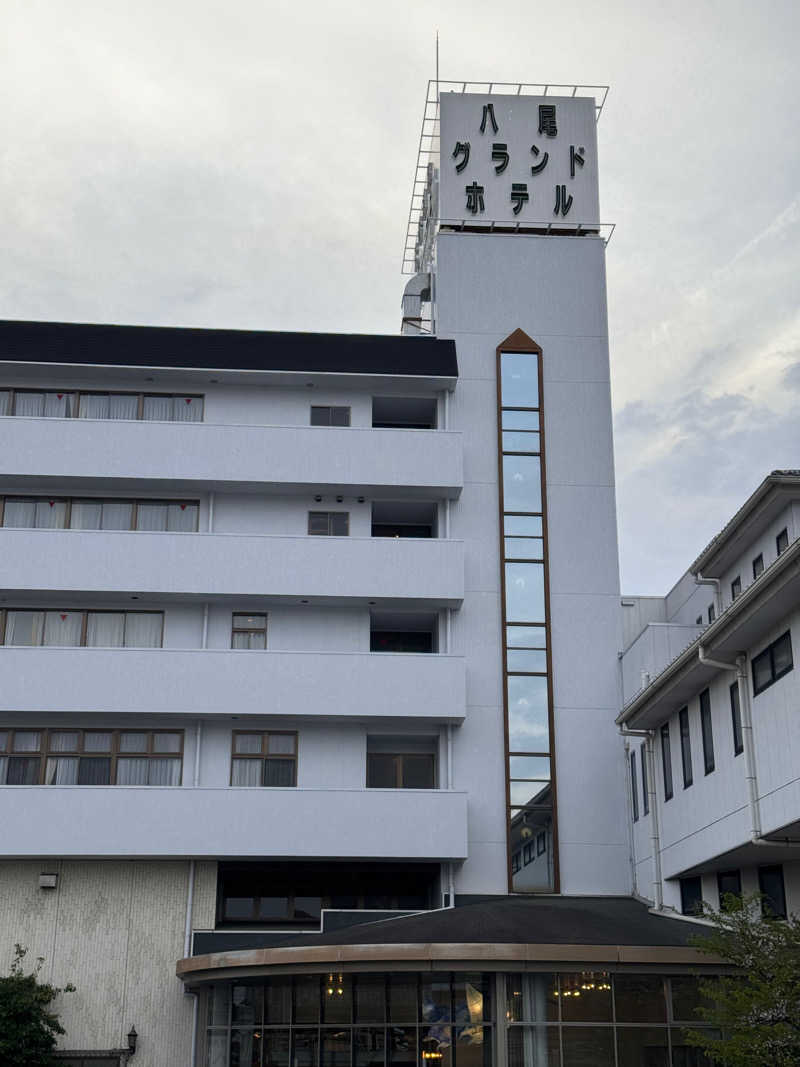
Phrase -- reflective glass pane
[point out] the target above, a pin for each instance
(527, 660)
(3, 740)
(247, 1005)
(86, 514)
(525, 592)
(519, 441)
(686, 998)
(520, 420)
(522, 483)
(305, 1048)
(278, 772)
(532, 858)
(639, 998)
(519, 380)
(133, 770)
(531, 998)
(218, 1000)
(131, 741)
(20, 513)
(337, 989)
(435, 997)
(528, 729)
(524, 548)
(278, 1001)
(526, 637)
(51, 514)
(533, 767)
(27, 740)
(524, 792)
(63, 628)
(166, 742)
(247, 743)
(245, 1048)
(218, 1049)
(534, 1046)
(275, 1048)
(157, 408)
(281, 744)
(369, 1047)
(94, 406)
(23, 770)
(246, 772)
(5, 397)
(105, 629)
(473, 1046)
(587, 1046)
(97, 741)
(335, 1048)
(370, 998)
(436, 1046)
(306, 999)
(29, 404)
(402, 1048)
(471, 1002)
(403, 999)
(24, 627)
(94, 770)
(63, 741)
(522, 525)
(117, 515)
(586, 997)
(639, 1045)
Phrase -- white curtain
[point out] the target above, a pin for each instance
(246, 772)
(182, 518)
(24, 627)
(30, 404)
(123, 406)
(132, 771)
(51, 514)
(187, 409)
(58, 405)
(63, 628)
(5, 402)
(157, 408)
(138, 770)
(164, 772)
(20, 513)
(97, 741)
(281, 744)
(86, 514)
(129, 741)
(247, 743)
(3, 765)
(94, 406)
(105, 629)
(166, 742)
(143, 629)
(63, 771)
(27, 740)
(151, 516)
(116, 515)
(63, 741)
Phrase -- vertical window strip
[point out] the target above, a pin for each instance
(526, 638)
(67, 404)
(77, 756)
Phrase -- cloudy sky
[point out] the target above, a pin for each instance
(248, 164)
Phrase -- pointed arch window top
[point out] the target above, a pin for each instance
(518, 341)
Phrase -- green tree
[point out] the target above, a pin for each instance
(28, 1029)
(756, 1010)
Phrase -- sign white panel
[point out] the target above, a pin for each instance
(518, 160)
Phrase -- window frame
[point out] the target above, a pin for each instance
(782, 541)
(666, 762)
(85, 613)
(736, 587)
(736, 893)
(264, 756)
(758, 566)
(685, 737)
(712, 613)
(69, 501)
(43, 753)
(79, 393)
(707, 732)
(769, 653)
(249, 629)
(696, 881)
(329, 514)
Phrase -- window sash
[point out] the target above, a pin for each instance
(634, 788)
(91, 757)
(98, 513)
(266, 758)
(706, 729)
(54, 403)
(22, 627)
(686, 747)
(666, 762)
(736, 720)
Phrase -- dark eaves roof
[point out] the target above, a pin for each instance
(519, 920)
(253, 350)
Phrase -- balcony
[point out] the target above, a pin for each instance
(61, 562)
(187, 457)
(128, 822)
(333, 686)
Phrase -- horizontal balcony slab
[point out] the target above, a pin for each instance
(361, 686)
(82, 453)
(147, 821)
(331, 569)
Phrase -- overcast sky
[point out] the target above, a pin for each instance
(248, 164)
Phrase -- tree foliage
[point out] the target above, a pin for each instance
(28, 1028)
(756, 1012)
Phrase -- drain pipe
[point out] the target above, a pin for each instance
(717, 583)
(655, 834)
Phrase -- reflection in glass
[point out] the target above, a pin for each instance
(524, 548)
(532, 767)
(532, 859)
(369, 1047)
(531, 998)
(530, 660)
(520, 420)
(435, 997)
(524, 592)
(586, 997)
(473, 1046)
(335, 1048)
(528, 729)
(337, 999)
(306, 999)
(402, 1046)
(522, 483)
(402, 998)
(522, 525)
(639, 998)
(370, 999)
(638, 1045)
(519, 380)
(305, 1048)
(245, 1048)
(435, 1046)
(587, 1046)
(520, 441)
(533, 1046)
(526, 637)
(524, 793)
(471, 998)
(276, 1048)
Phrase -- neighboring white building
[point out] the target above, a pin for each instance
(708, 672)
(303, 633)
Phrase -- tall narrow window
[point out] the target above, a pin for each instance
(729, 883)
(686, 747)
(770, 884)
(758, 566)
(691, 896)
(782, 541)
(712, 614)
(666, 761)
(645, 779)
(706, 728)
(736, 720)
(523, 541)
(736, 587)
(634, 788)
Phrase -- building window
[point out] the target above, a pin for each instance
(325, 415)
(515, 863)
(541, 843)
(91, 757)
(699, 620)
(772, 663)
(770, 884)
(736, 720)
(329, 523)
(401, 770)
(691, 896)
(264, 758)
(707, 731)
(248, 631)
(645, 787)
(634, 788)
(758, 565)
(96, 513)
(782, 541)
(686, 747)
(666, 761)
(528, 855)
(95, 629)
(404, 412)
(50, 403)
(736, 587)
(729, 883)
(712, 613)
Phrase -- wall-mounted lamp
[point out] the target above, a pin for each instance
(132, 1037)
